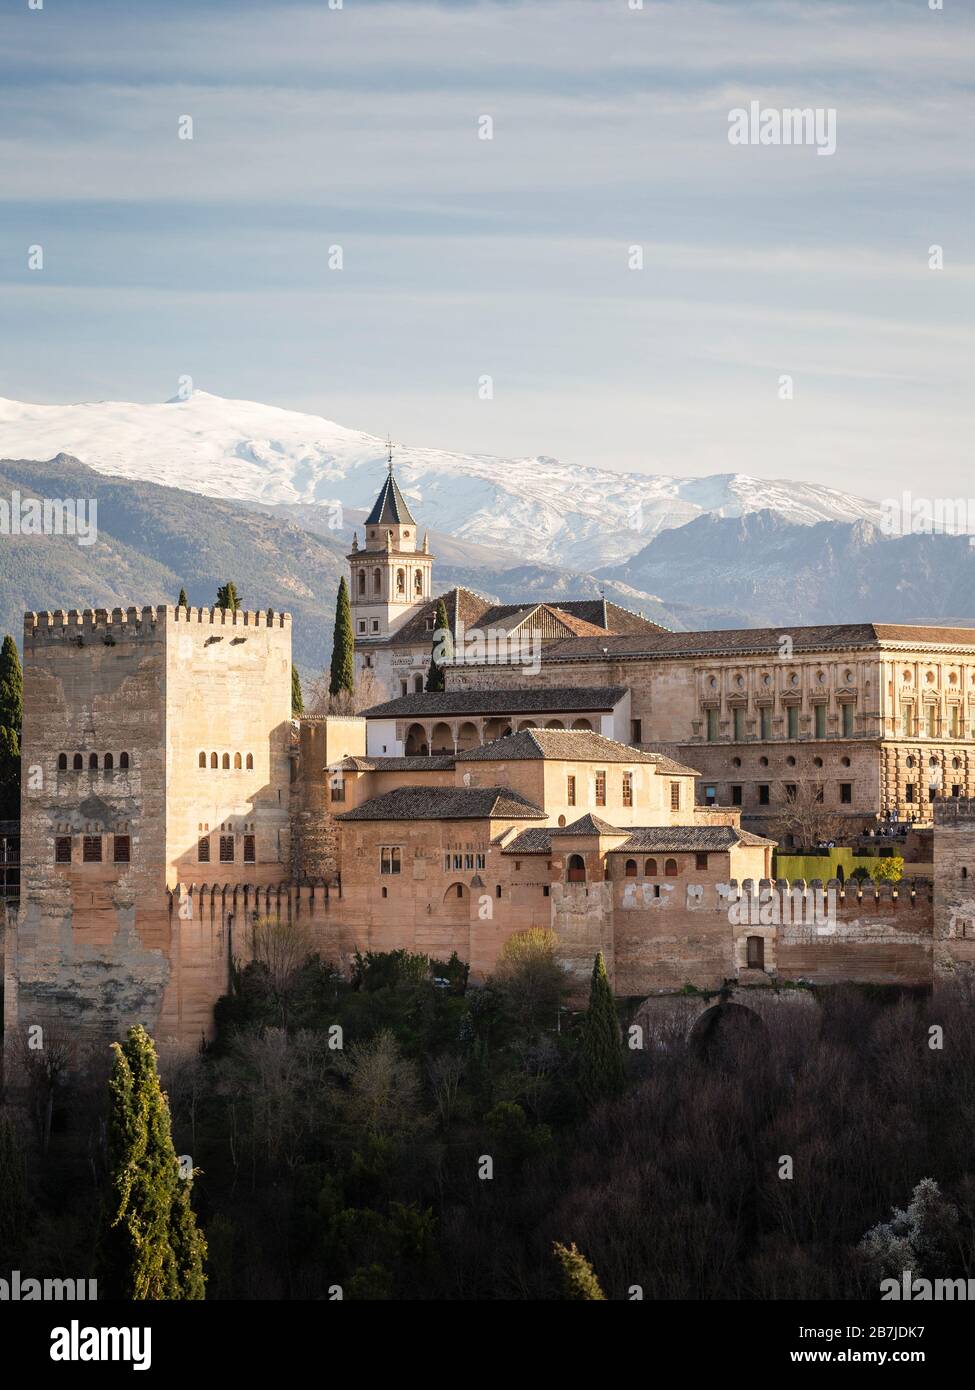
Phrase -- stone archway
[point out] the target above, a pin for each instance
(582, 724)
(441, 738)
(498, 727)
(467, 737)
(722, 1030)
(416, 741)
(457, 902)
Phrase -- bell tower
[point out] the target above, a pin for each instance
(391, 574)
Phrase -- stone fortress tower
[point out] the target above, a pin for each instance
(156, 751)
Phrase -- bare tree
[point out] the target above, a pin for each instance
(283, 949)
(807, 818)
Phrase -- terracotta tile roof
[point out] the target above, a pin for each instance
(567, 745)
(437, 763)
(588, 825)
(582, 617)
(539, 700)
(652, 839)
(446, 803)
(609, 616)
(729, 641)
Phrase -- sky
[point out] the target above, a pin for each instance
(486, 299)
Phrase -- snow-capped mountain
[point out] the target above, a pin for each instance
(553, 511)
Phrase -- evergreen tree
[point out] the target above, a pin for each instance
(601, 1063)
(297, 700)
(578, 1279)
(227, 596)
(443, 646)
(149, 1246)
(343, 644)
(182, 601)
(11, 723)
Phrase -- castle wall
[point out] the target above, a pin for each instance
(954, 887)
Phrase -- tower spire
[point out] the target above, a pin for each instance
(389, 454)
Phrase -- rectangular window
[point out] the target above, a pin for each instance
(932, 793)
(468, 861)
(820, 793)
(956, 789)
(792, 721)
(91, 849)
(226, 849)
(710, 796)
(932, 713)
(458, 860)
(763, 794)
(736, 796)
(62, 849)
(712, 715)
(956, 721)
(791, 791)
(250, 850)
(846, 793)
(636, 730)
(600, 789)
(820, 711)
(362, 624)
(389, 860)
(446, 863)
(627, 788)
(847, 720)
(909, 792)
(700, 861)
(907, 720)
(755, 947)
(203, 850)
(675, 796)
(122, 849)
(375, 624)
(738, 716)
(570, 790)
(479, 861)
(765, 716)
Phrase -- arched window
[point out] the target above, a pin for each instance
(377, 581)
(630, 869)
(203, 760)
(93, 761)
(109, 762)
(401, 581)
(226, 761)
(250, 761)
(238, 761)
(577, 868)
(62, 762)
(650, 868)
(670, 868)
(123, 760)
(362, 582)
(418, 582)
(213, 760)
(79, 762)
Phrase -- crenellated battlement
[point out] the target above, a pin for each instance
(910, 892)
(134, 622)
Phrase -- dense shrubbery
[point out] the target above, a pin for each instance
(356, 1157)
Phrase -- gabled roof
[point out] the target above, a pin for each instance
(756, 640)
(446, 803)
(538, 700)
(567, 745)
(609, 616)
(390, 506)
(589, 825)
(647, 839)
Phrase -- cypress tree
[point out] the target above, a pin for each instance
(443, 643)
(11, 725)
(601, 1065)
(182, 601)
(343, 644)
(297, 700)
(227, 596)
(578, 1279)
(149, 1246)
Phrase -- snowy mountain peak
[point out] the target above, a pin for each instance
(558, 513)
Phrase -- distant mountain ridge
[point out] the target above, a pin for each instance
(575, 518)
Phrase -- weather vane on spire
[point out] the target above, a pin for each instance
(389, 451)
